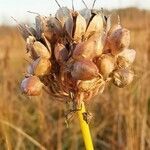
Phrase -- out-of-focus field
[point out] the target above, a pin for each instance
(121, 117)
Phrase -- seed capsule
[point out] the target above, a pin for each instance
(114, 28)
(84, 70)
(89, 49)
(95, 25)
(50, 26)
(119, 40)
(106, 64)
(126, 58)
(62, 15)
(42, 27)
(61, 53)
(31, 86)
(29, 47)
(75, 26)
(122, 77)
(40, 67)
(89, 85)
(122, 63)
(41, 50)
(128, 54)
(86, 13)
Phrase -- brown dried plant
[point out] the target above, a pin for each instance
(75, 55)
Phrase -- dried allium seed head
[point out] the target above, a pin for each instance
(61, 53)
(84, 70)
(122, 77)
(106, 64)
(31, 86)
(40, 67)
(85, 51)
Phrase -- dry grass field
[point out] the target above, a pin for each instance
(121, 117)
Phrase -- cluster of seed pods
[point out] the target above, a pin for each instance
(75, 55)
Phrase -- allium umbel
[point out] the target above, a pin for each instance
(74, 55)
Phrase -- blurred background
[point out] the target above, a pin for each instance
(121, 117)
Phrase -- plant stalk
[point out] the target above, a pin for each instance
(85, 129)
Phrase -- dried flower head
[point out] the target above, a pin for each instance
(75, 54)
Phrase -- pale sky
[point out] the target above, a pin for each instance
(18, 8)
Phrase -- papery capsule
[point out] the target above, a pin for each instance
(106, 64)
(75, 26)
(86, 13)
(32, 31)
(110, 31)
(119, 40)
(31, 86)
(63, 14)
(27, 31)
(89, 49)
(61, 53)
(29, 47)
(89, 85)
(40, 67)
(84, 70)
(128, 54)
(114, 28)
(80, 28)
(126, 58)
(122, 77)
(42, 26)
(55, 27)
(41, 50)
(122, 63)
(50, 26)
(95, 25)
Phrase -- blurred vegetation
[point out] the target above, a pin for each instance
(121, 117)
